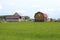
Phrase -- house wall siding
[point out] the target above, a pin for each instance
(12, 20)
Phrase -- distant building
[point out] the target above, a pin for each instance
(14, 18)
(40, 17)
(58, 20)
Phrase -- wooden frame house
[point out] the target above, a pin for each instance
(40, 17)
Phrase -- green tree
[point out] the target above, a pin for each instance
(27, 17)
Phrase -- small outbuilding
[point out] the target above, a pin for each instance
(40, 17)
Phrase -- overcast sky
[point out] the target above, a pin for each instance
(30, 7)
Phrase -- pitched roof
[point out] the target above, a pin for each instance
(16, 14)
(45, 15)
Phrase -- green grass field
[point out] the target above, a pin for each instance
(30, 31)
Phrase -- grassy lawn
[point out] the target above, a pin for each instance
(30, 31)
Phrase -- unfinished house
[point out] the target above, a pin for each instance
(40, 17)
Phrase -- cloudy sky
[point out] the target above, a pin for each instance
(30, 7)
